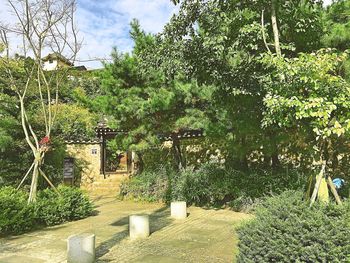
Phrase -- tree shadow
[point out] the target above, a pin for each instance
(159, 219)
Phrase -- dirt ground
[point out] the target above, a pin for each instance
(205, 236)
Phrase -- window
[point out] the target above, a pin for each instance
(93, 151)
(50, 61)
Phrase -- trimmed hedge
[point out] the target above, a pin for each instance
(286, 229)
(17, 216)
(52, 209)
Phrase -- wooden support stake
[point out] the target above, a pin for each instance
(334, 191)
(47, 179)
(318, 183)
(31, 167)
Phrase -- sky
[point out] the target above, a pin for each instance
(104, 24)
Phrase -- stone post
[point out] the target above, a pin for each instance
(139, 226)
(81, 248)
(178, 210)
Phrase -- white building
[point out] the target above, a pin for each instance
(55, 61)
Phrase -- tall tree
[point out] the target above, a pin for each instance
(44, 26)
(307, 93)
(143, 102)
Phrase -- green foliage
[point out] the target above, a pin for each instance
(307, 90)
(74, 122)
(286, 229)
(148, 186)
(211, 185)
(337, 25)
(308, 95)
(16, 215)
(52, 209)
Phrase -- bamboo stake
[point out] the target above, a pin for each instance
(318, 183)
(47, 179)
(31, 167)
(334, 191)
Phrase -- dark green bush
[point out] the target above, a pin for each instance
(286, 229)
(208, 185)
(52, 209)
(16, 215)
(148, 186)
(212, 185)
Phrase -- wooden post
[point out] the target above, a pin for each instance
(333, 190)
(103, 157)
(318, 183)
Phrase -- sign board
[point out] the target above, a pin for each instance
(68, 168)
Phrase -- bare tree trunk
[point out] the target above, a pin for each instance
(177, 154)
(275, 28)
(263, 31)
(34, 184)
(43, 25)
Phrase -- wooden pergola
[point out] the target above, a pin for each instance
(103, 132)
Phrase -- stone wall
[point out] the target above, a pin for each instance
(87, 157)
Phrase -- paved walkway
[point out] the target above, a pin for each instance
(205, 236)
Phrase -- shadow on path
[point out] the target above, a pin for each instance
(159, 219)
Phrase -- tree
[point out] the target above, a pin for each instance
(219, 43)
(146, 104)
(44, 26)
(307, 93)
(337, 25)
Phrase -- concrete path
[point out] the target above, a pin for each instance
(205, 236)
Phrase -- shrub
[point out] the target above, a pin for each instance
(212, 185)
(286, 229)
(16, 215)
(148, 186)
(52, 209)
(209, 185)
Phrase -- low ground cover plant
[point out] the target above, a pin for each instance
(17, 216)
(286, 229)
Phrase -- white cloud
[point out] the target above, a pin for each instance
(327, 2)
(104, 24)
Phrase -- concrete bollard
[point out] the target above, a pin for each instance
(139, 226)
(178, 210)
(81, 248)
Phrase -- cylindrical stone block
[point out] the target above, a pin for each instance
(139, 226)
(178, 210)
(81, 248)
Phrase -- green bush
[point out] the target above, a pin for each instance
(148, 186)
(212, 185)
(72, 204)
(286, 229)
(16, 215)
(208, 185)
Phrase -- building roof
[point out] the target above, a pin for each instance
(56, 56)
(102, 130)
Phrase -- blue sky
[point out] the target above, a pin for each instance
(104, 24)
